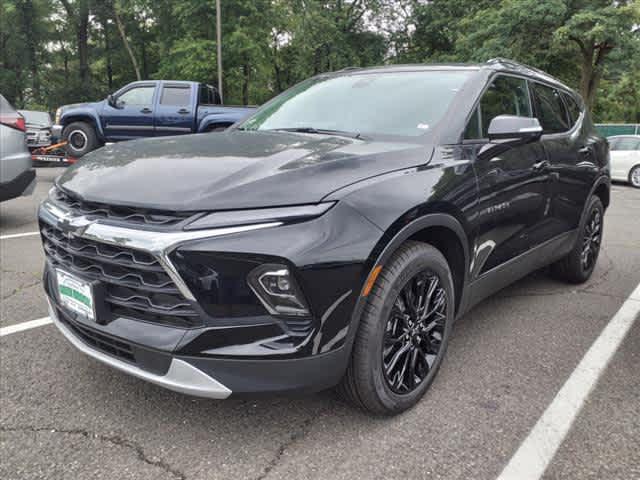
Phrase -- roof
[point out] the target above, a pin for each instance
(497, 64)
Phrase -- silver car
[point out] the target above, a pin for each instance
(17, 175)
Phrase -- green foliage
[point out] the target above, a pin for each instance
(269, 45)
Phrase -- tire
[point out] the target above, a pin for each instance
(579, 264)
(370, 381)
(81, 139)
(634, 176)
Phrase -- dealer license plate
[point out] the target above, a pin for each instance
(75, 294)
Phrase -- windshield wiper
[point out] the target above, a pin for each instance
(321, 131)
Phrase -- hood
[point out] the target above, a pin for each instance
(232, 170)
(35, 119)
(72, 106)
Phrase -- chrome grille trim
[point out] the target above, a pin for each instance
(159, 244)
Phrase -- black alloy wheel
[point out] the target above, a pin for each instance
(578, 265)
(591, 239)
(414, 332)
(403, 332)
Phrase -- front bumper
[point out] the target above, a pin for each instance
(215, 378)
(180, 377)
(56, 133)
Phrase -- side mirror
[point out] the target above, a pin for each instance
(512, 128)
(111, 101)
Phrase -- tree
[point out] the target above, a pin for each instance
(123, 36)
(560, 36)
(596, 28)
(78, 12)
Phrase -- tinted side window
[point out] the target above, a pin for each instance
(550, 109)
(137, 96)
(572, 106)
(505, 96)
(176, 96)
(474, 128)
(204, 97)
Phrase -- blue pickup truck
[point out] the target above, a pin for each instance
(144, 109)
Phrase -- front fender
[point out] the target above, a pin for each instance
(82, 114)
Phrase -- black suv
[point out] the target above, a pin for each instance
(330, 239)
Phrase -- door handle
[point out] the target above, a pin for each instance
(145, 110)
(183, 111)
(541, 166)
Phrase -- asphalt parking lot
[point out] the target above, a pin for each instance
(63, 415)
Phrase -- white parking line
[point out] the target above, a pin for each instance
(537, 450)
(24, 326)
(18, 235)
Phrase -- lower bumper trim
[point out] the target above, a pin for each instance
(181, 377)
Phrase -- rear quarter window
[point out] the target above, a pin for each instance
(550, 109)
(572, 107)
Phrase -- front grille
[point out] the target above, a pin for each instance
(136, 285)
(37, 137)
(97, 340)
(131, 215)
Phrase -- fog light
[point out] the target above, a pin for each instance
(277, 290)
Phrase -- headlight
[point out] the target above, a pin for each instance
(277, 290)
(58, 112)
(248, 217)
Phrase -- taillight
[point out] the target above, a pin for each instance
(14, 121)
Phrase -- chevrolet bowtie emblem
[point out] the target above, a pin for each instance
(70, 224)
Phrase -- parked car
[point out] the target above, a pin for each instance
(141, 110)
(17, 176)
(625, 158)
(330, 239)
(38, 128)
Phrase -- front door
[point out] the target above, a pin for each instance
(513, 181)
(132, 115)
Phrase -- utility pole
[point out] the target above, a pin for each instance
(219, 47)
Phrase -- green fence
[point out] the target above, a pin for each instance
(611, 129)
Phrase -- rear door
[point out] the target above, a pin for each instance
(570, 146)
(176, 109)
(512, 181)
(132, 117)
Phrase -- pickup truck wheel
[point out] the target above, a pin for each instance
(81, 138)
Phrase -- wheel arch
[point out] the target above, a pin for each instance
(444, 232)
(210, 122)
(441, 230)
(84, 118)
(602, 189)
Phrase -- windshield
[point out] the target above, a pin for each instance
(389, 103)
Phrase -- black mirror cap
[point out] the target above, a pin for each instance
(111, 100)
(514, 128)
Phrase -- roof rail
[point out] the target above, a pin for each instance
(508, 61)
(346, 69)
